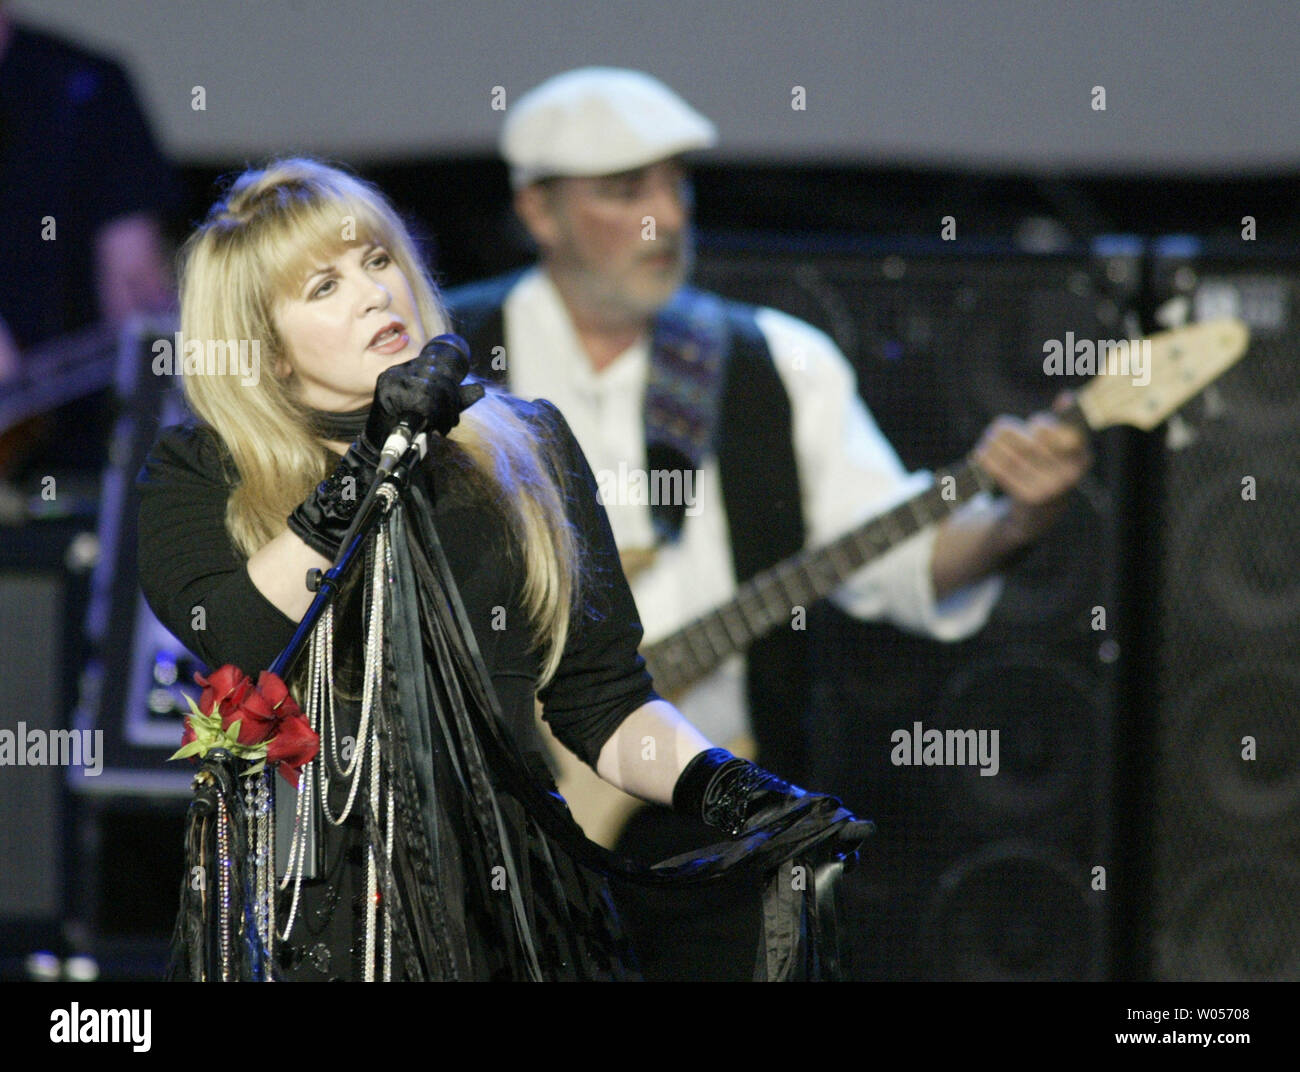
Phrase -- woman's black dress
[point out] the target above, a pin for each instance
(186, 560)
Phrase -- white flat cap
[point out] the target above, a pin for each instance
(598, 121)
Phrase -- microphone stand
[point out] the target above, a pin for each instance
(378, 501)
(385, 491)
(221, 932)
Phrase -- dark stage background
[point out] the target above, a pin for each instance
(1121, 747)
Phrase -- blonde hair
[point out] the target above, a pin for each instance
(254, 247)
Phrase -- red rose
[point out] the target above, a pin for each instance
(257, 719)
(227, 685)
(294, 745)
(277, 695)
(271, 724)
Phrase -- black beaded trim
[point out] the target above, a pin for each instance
(331, 497)
(727, 799)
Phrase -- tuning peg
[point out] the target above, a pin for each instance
(1178, 433)
(1175, 312)
(1212, 401)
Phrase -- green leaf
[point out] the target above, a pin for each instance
(256, 769)
(194, 748)
(205, 727)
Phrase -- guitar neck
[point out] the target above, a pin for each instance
(1178, 364)
(59, 372)
(768, 599)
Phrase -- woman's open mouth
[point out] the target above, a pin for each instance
(391, 339)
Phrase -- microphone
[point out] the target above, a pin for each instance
(449, 349)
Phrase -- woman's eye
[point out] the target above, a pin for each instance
(380, 260)
(320, 290)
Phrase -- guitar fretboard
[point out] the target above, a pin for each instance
(769, 599)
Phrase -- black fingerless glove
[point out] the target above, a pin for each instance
(428, 386)
(737, 796)
(323, 518)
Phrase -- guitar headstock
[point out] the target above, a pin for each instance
(1165, 371)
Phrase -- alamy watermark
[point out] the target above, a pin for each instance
(179, 356)
(919, 747)
(1098, 357)
(23, 747)
(637, 487)
(78, 1025)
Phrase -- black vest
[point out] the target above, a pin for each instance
(760, 486)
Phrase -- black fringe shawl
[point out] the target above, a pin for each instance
(490, 875)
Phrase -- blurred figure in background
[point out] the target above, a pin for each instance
(761, 409)
(85, 195)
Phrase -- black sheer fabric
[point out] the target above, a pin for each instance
(477, 888)
(489, 878)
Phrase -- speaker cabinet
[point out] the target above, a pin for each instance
(32, 640)
(971, 875)
(1225, 539)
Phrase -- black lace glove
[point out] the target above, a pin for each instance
(738, 797)
(323, 518)
(430, 385)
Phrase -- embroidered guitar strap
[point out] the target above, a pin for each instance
(688, 350)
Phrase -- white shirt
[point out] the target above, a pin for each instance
(847, 472)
